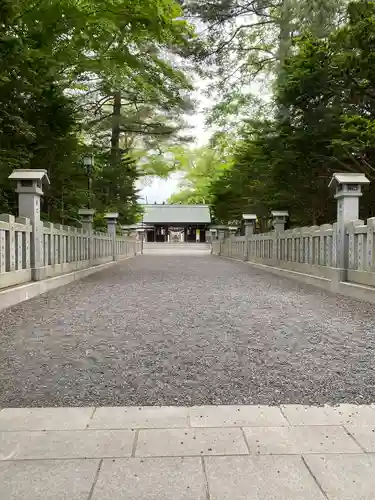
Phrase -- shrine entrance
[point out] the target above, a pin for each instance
(176, 223)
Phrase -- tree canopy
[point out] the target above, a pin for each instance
(320, 120)
(89, 75)
(292, 82)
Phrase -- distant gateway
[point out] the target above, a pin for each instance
(180, 223)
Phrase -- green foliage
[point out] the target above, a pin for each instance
(73, 73)
(247, 42)
(326, 123)
(201, 167)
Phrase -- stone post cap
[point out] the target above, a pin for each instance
(29, 180)
(86, 212)
(111, 216)
(279, 213)
(29, 174)
(348, 178)
(249, 217)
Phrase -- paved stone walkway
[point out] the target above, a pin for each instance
(186, 330)
(177, 453)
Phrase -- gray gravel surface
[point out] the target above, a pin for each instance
(184, 330)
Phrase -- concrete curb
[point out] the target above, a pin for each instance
(15, 295)
(353, 290)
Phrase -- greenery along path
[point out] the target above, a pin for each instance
(279, 140)
(93, 76)
(186, 330)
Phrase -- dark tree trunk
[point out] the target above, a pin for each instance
(116, 130)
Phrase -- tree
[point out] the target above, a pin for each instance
(57, 58)
(328, 94)
(247, 44)
(201, 167)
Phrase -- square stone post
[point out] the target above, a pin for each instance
(213, 237)
(30, 190)
(111, 225)
(279, 219)
(348, 191)
(250, 221)
(86, 216)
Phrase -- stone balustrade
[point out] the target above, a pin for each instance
(63, 249)
(15, 250)
(32, 250)
(307, 250)
(310, 251)
(337, 257)
(361, 265)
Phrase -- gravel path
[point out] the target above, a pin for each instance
(184, 330)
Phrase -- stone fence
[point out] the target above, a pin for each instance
(63, 249)
(338, 257)
(32, 250)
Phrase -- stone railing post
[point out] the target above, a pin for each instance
(86, 216)
(279, 219)
(213, 237)
(250, 221)
(111, 225)
(370, 244)
(30, 190)
(348, 191)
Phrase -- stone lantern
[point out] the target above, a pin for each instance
(250, 221)
(279, 219)
(86, 216)
(30, 189)
(348, 188)
(213, 234)
(111, 226)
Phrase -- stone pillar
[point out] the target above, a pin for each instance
(279, 219)
(86, 216)
(111, 225)
(348, 191)
(30, 190)
(250, 221)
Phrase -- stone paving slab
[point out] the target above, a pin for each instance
(40, 419)
(364, 435)
(47, 480)
(187, 442)
(299, 440)
(139, 417)
(236, 416)
(343, 414)
(285, 462)
(260, 478)
(151, 479)
(66, 444)
(344, 477)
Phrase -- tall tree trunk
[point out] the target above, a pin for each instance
(285, 22)
(116, 130)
